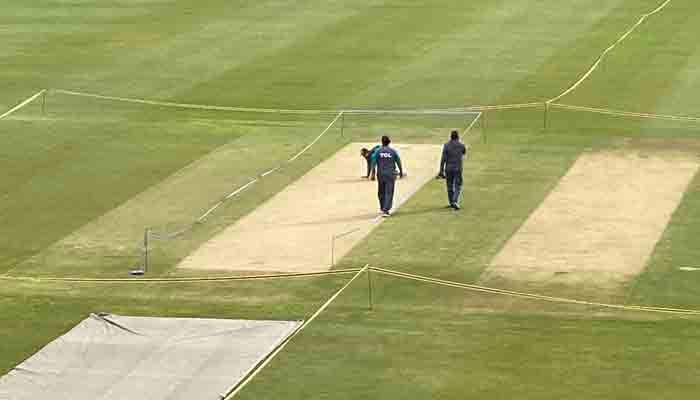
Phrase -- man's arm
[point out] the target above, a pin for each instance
(443, 161)
(373, 160)
(374, 151)
(398, 163)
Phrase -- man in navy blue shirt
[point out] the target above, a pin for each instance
(387, 160)
(453, 153)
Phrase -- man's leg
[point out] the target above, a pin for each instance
(450, 179)
(389, 193)
(380, 192)
(369, 166)
(458, 187)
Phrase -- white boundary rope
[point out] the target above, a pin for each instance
(608, 50)
(497, 107)
(22, 104)
(471, 125)
(294, 157)
(266, 173)
(237, 388)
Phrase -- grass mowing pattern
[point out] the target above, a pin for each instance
(111, 244)
(421, 341)
(357, 53)
(74, 172)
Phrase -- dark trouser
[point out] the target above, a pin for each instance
(386, 191)
(454, 186)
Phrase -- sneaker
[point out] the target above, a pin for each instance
(456, 207)
(386, 214)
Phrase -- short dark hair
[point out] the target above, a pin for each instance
(364, 151)
(385, 140)
(454, 135)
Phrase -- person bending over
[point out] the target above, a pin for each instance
(367, 155)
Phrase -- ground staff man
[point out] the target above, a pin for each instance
(453, 153)
(367, 155)
(387, 160)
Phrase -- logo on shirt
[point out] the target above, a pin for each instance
(385, 155)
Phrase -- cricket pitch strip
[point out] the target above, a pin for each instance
(326, 212)
(600, 225)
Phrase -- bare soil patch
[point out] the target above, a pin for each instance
(294, 230)
(600, 225)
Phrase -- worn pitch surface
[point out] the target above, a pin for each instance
(600, 224)
(293, 231)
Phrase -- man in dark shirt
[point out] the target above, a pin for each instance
(453, 153)
(387, 160)
(367, 155)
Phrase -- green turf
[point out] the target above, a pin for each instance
(82, 180)
(663, 282)
(412, 347)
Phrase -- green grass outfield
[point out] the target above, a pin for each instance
(82, 180)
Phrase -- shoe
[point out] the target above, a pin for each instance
(449, 206)
(386, 214)
(456, 207)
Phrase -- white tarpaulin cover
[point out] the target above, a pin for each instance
(112, 357)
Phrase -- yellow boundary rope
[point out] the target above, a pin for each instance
(511, 293)
(177, 280)
(268, 110)
(620, 113)
(600, 59)
(385, 271)
(475, 108)
(236, 389)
